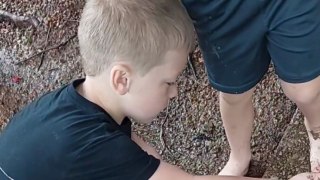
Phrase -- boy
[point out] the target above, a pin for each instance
(238, 39)
(133, 51)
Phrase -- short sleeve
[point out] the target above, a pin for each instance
(113, 158)
(126, 126)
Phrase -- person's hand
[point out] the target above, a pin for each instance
(306, 176)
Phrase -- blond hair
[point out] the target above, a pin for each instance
(140, 31)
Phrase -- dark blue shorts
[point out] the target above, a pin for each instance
(238, 38)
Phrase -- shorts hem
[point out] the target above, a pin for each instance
(232, 89)
(299, 80)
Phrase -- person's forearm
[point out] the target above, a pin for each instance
(227, 178)
(170, 172)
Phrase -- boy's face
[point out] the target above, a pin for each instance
(150, 94)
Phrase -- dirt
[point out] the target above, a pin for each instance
(23, 82)
(292, 155)
(193, 132)
(189, 133)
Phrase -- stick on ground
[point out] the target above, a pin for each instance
(20, 21)
(163, 142)
(43, 54)
(191, 65)
(48, 49)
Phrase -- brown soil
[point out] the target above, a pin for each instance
(190, 133)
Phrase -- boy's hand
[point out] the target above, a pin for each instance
(170, 172)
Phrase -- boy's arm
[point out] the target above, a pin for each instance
(170, 172)
(145, 146)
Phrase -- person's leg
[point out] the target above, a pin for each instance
(237, 114)
(233, 43)
(234, 48)
(294, 45)
(307, 97)
(306, 176)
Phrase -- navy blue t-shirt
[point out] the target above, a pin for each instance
(64, 136)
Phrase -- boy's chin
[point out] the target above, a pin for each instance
(146, 120)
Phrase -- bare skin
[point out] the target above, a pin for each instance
(176, 172)
(314, 137)
(306, 176)
(236, 113)
(315, 133)
(307, 97)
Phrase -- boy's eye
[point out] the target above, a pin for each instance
(171, 83)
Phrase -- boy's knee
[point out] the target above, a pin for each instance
(235, 99)
(301, 94)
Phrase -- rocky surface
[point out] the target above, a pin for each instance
(292, 155)
(189, 133)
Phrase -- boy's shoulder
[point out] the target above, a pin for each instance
(64, 111)
(62, 129)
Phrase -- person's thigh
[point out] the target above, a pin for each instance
(294, 39)
(232, 40)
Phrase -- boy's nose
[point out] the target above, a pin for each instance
(173, 91)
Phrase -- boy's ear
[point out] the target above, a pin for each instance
(120, 78)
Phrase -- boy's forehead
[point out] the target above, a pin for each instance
(176, 60)
(176, 54)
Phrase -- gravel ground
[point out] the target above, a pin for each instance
(189, 133)
(292, 155)
(192, 129)
(21, 83)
